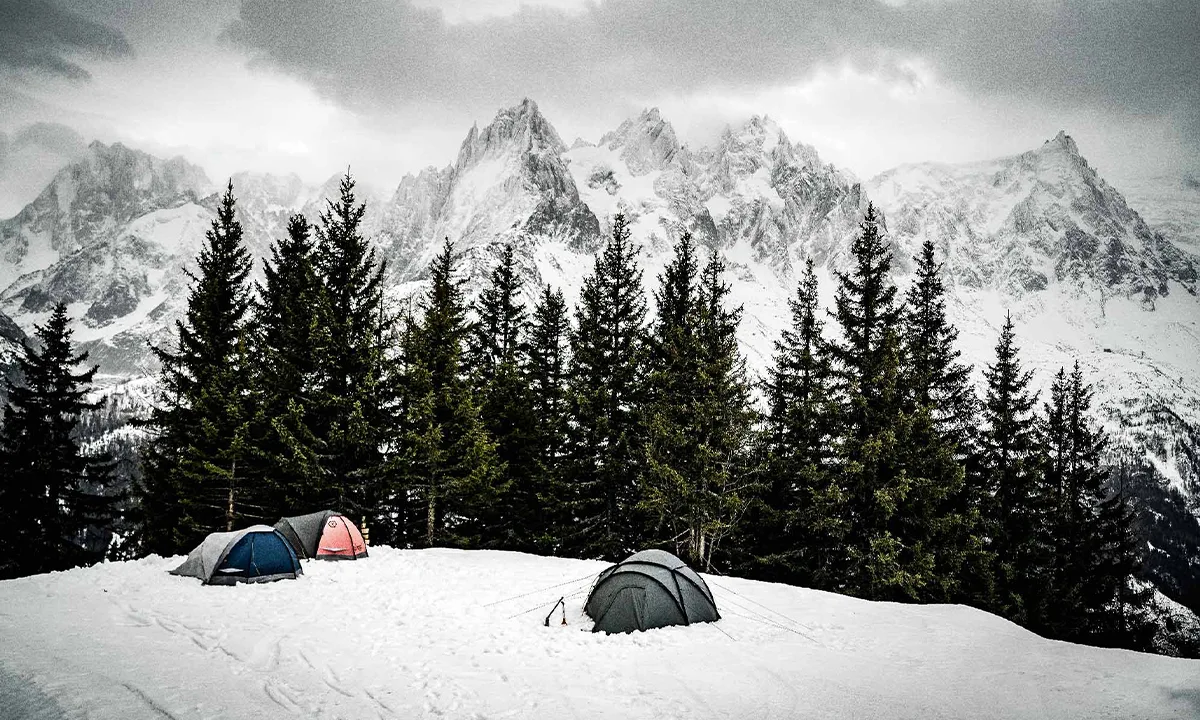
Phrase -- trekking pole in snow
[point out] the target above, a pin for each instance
(564, 607)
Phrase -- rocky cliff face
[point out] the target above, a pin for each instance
(12, 338)
(509, 184)
(753, 194)
(90, 200)
(1018, 224)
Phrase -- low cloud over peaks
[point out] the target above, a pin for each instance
(41, 37)
(1140, 58)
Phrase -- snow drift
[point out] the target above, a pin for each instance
(444, 633)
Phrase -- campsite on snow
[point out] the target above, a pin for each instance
(797, 359)
(460, 634)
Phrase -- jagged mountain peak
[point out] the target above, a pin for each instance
(760, 131)
(1064, 141)
(646, 143)
(125, 168)
(520, 129)
(1036, 218)
(91, 198)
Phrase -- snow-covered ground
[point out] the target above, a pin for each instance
(443, 633)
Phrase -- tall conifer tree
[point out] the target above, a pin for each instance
(606, 394)
(498, 345)
(1096, 552)
(885, 560)
(941, 444)
(286, 333)
(350, 416)
(1015, 502)
(200, 429)
(547, 372)
(53, 494)
(696, 421)
(448, 470)
(797, 527)
(935, 375)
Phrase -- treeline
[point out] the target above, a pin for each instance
(873, 469)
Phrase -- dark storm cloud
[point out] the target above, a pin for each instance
(1140, 57)
(43, 37)
(391, 52)
(1129, 56)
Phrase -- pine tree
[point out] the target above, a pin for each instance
(497, 357)
(498, 336)
(350, 417)
(941, 445)
(546, 369)
(796, 529)
(606, 391)
(696, 421)
(1015, 503)
(1064, 523)
(725, 421)
(200, 429)
(448, 465)
(935, 377)
(888, 509)
(1097, 549)
(286, 332)
(53, 493)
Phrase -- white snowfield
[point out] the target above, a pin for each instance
(441, 633)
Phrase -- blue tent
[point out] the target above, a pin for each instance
(255, 554)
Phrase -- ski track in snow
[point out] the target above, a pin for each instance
(447, 634)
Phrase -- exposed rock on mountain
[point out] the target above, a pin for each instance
(1018, 223)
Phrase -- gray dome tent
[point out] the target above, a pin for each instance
(251, 555)
(650, 589)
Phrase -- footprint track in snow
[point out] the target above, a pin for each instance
(281, 695)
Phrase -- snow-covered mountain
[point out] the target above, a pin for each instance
(11, 339)
(1015, 224)
(510, 183)
(1040, 234)
(112, 235)
(109, 236)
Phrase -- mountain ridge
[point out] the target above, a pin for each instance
(1039, 233)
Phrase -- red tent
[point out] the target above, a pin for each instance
(325, 535)
(341, 540)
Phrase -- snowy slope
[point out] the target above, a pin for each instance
(1042, 235)
(11, 339)
(1170, 205)
(443, 633)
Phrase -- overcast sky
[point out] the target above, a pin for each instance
(389, 86)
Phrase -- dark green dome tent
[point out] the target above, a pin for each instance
(650, 589)
(255, 554)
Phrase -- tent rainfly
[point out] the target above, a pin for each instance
(254, 554)
(650, 589)
(325, 535)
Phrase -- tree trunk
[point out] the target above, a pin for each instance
(229, 507)
(430, 520)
